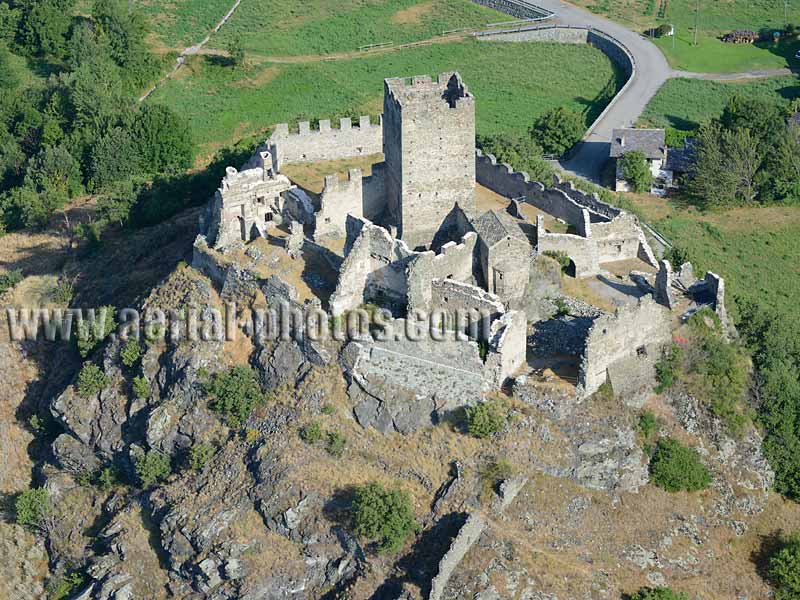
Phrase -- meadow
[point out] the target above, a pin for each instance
(686, 103)
(754, 248)
(513, 83)
(302, 27)
(716, 18)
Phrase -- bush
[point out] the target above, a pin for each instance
(32, 506)
(141, 388)
(91, 380)
(636, 171)
(92, 332)
(131, 353)
(784, 570)
(668, 368)
(235, 393)
(658, 594)
(108, 478)
(648, 424)
(64, 292)
(199, 455)
(9, 279)
(485, 419)
(677, 256)
(382, 515)
(154, 467)
(676, 468)
(557, 130)
(722, 370)
(522, 153)
(492, 474)
(336, 444)
(561, 257)
(67, 587)
(311, 433)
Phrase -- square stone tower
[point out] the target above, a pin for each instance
(429, 145)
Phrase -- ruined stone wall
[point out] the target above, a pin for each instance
(506, 266)
(451, 296)
(212, 264)
(429, 144)
(507, 348)
(455, 261)
(582, 251)
(374, 268)
(374, 192)
(338, 199)
(619, 239)
(326, 143)
(502, 179)
(466, 538)
(640, 330)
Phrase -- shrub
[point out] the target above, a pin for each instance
(328, 409)
(141, 388)
(784, 570)
(64, 292)
(492, 474)
(522, 153)
(677, 256)
(636, 171)
(108, 478)
(648, 424)
(382, 515)
(131, 353)
(91, 381)
(199, 455)
(557, 130)
(235, 49)
(9, 279)
(722, 372)
(311, 433)
(676, 468)
(234, 393)
(154, 467)
(336, 444)
(32, 506)
(668, 368)
(67, 586)
(561, 257)
(658, 594)
(485, 419)
(92, 332)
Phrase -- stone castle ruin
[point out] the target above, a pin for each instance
(439, 226)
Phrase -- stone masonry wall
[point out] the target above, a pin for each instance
(429, 145)
(455, 261)
(338, 199)
(326, 143)
(635, 330)
(516, 8)
(507, 348)
(374, 268)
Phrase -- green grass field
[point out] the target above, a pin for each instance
(685, 103)
(754, 249)
(513, 83)
(302, 27)
(717, 17)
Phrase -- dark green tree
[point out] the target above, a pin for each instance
(636, 171)
(164, 139)
(557, 130)
(522, 153)
(382, 515)
(235, 393)
(114, 157)
(784, 570)
(676, 468)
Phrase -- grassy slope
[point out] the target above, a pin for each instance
(755, 249)
(716, 17)
(685, 103)
(299, 27)
(226, 105)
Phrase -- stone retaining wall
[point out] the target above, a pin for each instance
(517, 8)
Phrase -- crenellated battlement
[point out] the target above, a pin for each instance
(326, 142)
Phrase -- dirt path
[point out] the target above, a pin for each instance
(192, 50)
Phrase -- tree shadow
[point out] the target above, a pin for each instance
(768, 545)
(421, 564)
(680, 123)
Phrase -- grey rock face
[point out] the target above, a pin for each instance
(73, 456)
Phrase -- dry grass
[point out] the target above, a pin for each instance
(311, 176)
(413, 14)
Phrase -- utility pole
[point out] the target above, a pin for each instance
(696, 21)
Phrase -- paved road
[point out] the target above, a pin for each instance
(652, 70)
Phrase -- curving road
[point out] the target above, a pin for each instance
(652, 70)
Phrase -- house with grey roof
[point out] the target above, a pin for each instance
(650, 142)
(502, 247)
